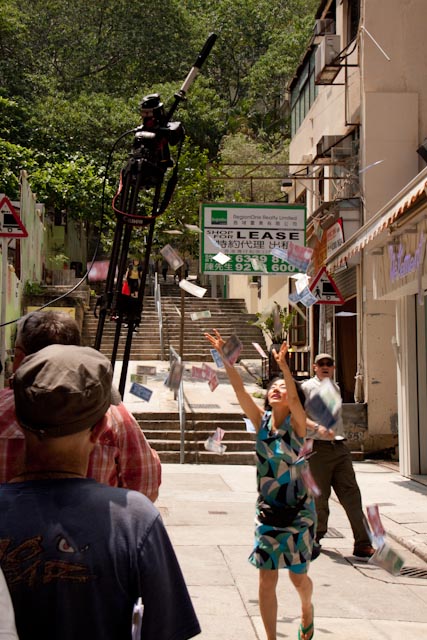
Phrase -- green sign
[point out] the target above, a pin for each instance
(246, 234)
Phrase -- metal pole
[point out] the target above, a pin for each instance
(4, 269)
(182, 325)
(133, 316)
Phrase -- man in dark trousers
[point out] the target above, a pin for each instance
(77, 555)
(332, 467)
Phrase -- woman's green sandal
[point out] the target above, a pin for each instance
(302, 631)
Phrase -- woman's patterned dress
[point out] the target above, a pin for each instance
(276, 547)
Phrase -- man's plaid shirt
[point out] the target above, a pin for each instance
(122, 456)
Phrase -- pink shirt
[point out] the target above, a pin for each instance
(122, 457)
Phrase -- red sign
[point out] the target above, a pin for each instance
(10, 223)
(325, 290)
(334, 237)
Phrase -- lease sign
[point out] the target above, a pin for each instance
(247, 233)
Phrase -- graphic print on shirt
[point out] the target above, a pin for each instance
(30, 563)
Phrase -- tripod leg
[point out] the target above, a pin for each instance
(109, 286)
(120, 276)
(115, 252)
(141, 291)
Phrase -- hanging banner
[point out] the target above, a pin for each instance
(334, 237)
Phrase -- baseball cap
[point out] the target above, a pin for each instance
(323, 356)
(63, 389)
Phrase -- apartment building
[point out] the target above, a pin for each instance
(359, 121)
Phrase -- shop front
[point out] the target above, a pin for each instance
(400, 274)
(394, 243)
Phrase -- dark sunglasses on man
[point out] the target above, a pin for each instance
(325, 363)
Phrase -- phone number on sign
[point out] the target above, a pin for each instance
(257, 263)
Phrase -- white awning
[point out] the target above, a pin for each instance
(395, 208)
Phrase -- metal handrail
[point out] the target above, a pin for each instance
(158, 305)
(179, 396)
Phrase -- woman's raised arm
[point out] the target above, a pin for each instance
(299, 419)
(248, 405)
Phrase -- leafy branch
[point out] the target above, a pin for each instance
(275, 323)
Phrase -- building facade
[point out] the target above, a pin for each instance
(359, 116)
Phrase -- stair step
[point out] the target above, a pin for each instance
(162, 430)
(174, 445)
(207, 457)
(228, 316)
(193, 436)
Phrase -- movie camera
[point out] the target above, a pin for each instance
(146, 168)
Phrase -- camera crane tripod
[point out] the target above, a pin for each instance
(146, 169)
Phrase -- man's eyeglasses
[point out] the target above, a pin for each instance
(325, 363)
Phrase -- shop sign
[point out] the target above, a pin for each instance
(334, 237)
(247, 233)
(402, 264)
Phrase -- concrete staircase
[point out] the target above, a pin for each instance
(145, 343)
(228, 316)
(162, 428)
(163, 432)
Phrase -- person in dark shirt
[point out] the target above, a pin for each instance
(78, 555)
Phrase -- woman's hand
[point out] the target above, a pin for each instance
(281, 356)
(217, 341)
(325, 434)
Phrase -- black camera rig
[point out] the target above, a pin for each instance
(145, 170)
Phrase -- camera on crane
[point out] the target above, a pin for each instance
(152, 140)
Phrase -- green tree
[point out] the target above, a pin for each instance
(88, 123)
(73, 74)
(259, 45)
(13, 158)
(113, 45)
(72, 186)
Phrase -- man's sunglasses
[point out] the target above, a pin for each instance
(325, 363)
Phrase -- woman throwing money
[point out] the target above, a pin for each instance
(285, 520)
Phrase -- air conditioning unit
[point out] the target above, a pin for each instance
(323, 147)
(326, 65)
(341, 153)
(323, 27)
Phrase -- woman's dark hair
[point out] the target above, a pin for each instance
(300, 392)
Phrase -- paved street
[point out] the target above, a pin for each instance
(208, 511)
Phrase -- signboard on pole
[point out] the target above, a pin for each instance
(324, 289)
(334, 237)
(10, 223)
(247, 233)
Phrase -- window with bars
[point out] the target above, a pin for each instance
(303, 94)
(298, 330)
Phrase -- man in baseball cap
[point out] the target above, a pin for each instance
(63, 389)
(332, 466)
(323, 356)
(78, 555)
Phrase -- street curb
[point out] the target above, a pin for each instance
(410, 545)
(417, 548)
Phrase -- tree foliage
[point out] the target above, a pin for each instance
(253, 169)
(73, 74)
